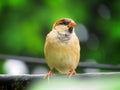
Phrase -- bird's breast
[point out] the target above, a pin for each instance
(62, 55)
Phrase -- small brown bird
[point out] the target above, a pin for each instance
(62, 49)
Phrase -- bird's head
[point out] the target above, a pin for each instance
(64, 25)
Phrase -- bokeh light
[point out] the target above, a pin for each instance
(15, 67)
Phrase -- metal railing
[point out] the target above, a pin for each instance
(20, 82)
(34, 60)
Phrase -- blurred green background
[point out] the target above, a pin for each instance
(24, 25)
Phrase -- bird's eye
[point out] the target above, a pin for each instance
(70, 30)
(64, 23)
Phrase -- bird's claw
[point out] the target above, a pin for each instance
(72, 72)
(49, 74)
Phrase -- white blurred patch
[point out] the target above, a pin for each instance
(91, 70)
(104, 11)
(15, 67)
(40, 70)
(93, 42)
(82, 32)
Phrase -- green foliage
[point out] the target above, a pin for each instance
(1, 67)
(24, 25)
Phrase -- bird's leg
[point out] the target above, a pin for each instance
(72, 72)
(49, 74)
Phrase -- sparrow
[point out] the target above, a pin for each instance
(62, 48)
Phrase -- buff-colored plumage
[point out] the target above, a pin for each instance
(62, 49)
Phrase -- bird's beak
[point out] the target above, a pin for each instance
(72, 24)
